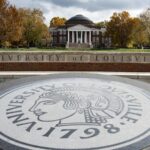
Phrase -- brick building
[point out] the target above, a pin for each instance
(79, 32)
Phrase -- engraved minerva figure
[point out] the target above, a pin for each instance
(71, 108)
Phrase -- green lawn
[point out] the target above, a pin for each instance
(63, 49)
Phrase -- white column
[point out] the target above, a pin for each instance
(72, 36)
(85, 37)
(77, 36)
(90, 38)
(81, 37)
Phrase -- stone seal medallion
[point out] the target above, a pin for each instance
(75, 112)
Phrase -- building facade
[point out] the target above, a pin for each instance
(79, 32)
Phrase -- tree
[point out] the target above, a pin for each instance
(3, 14)
(46, 38)
(145, 18)
(139, 34)
(10, 24)
(57, 21)
(14, 26)
(119, 28)
(34, 28)
(21, 26)
(102, 24)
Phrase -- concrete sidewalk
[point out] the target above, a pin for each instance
(6, 76)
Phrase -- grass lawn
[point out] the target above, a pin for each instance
(63, 49)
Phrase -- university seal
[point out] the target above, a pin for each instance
(75, 112)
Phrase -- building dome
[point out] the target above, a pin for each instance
(79, 19)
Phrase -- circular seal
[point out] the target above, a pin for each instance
(75, 112)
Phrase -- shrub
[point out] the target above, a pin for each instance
(6, 44)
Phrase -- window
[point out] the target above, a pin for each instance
(55, 33)
(64, 32)
(64, 39)
(55, 40)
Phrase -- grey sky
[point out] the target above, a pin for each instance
(96, 10)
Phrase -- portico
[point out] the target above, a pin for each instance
(79, 37)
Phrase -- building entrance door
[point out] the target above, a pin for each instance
(79, 38)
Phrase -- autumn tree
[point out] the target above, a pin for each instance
(14, 26)
(57, 21)
(119, 28)
(46, 37)
(3, 22)
(21, 26)
(34, 28)
(10, 24)
(139, 34)
(145, 19)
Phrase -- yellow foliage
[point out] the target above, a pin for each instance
(57, 21)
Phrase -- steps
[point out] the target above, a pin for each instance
(79, 46)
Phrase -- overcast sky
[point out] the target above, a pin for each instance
(96, 10)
